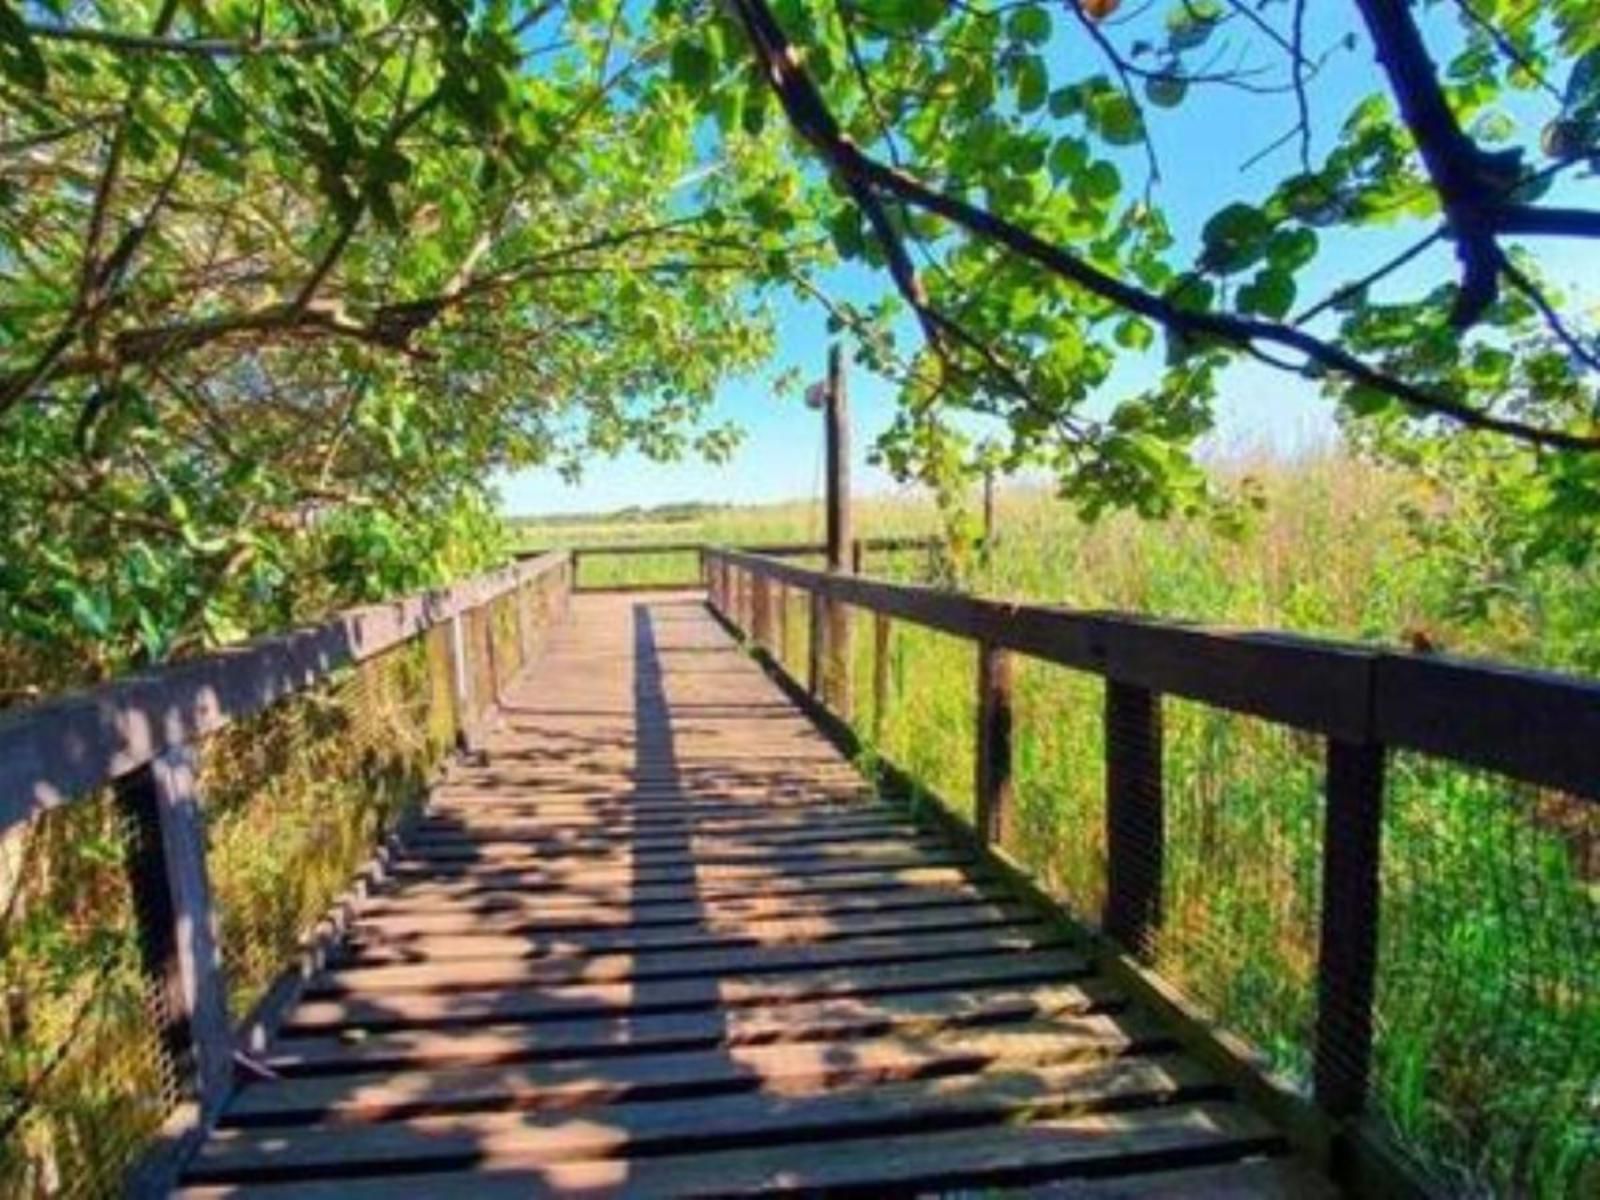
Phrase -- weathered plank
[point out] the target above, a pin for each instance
(651, 965)
(535, 917)
(1159, 1141)
(785, 1069)
(401, 1010)
(920, 1013)
(619, 893)
(713, 1122)
(370, 947)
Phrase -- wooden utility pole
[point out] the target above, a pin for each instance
(838, 434)
(836, 677)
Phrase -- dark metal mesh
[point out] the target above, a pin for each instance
(297, 797)
(929, 725)
(1241, 878)
(85, 1075)
(663, 569)
(479, 646)
(1488, 1004)
(1058, 774)
(794, 631)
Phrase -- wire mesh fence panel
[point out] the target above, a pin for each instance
(443, 719)
(1058, 782)
(930, 722)
(1241, 876)
(479, 647)
(298, 797)
(663, 568)
(86, 1074)
(503, 616)
(864, 703)
(794, 626)
(1487, 1053)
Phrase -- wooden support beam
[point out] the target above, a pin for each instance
(994, 813)
(814, 648)
(1134, 818)
(1348, 949)
(761, 618)
(466, 738)
(783, 622)
(177, 921)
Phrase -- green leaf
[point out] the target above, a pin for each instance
(1118, 119)
(1271, 293)
(1235, 238)
(1033, 84)
(691, 65)
(1030, 24)
(1133, 334)
(1167, 90)
(1366, 401)
(19, 57)
(1101, 181)
(1067, 157)
(1291, 249)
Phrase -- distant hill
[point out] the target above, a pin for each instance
(683, 512)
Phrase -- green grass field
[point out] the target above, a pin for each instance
(1488, 1014)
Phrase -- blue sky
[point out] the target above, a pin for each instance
(1201, 147)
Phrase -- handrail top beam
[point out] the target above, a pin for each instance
(64, 747)
(1537, 726)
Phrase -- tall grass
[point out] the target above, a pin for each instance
(1488, 1012)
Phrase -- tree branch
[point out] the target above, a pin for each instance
(864, 176)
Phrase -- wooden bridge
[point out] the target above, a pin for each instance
(661, 940)
(653, 933)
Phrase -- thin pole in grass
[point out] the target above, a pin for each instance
(836, 617)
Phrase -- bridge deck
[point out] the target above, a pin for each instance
(664, 942)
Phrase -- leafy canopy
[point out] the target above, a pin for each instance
(286, 280)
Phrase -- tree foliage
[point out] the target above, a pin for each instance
(1002, 162)
(287, 280)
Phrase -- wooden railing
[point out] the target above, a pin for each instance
(144, 737)
(1532, 726)
(689, 554)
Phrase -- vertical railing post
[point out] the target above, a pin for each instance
(783, 622)
(761, 626)
(1134, 818)
(858, 556)
(880, 675)
(1348, 950)
(177, 921)
(466, 739)
(814, 648)
(993, 812)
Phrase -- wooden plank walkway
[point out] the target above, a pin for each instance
(664, 942)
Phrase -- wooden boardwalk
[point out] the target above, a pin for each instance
(664, 942)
